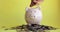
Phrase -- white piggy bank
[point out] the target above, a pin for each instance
(33, 15)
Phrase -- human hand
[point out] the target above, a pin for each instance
(35, 2)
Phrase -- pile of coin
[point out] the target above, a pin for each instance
(32, 27)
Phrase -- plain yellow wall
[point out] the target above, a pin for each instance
(51, 13)
(12, 12)
(59, 9)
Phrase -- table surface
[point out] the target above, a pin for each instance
(1, 30)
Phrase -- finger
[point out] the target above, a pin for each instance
(33, 2)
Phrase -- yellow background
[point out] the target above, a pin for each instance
(12, 12)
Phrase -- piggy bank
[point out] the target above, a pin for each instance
(33, 15)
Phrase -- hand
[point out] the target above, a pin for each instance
(35, 2)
